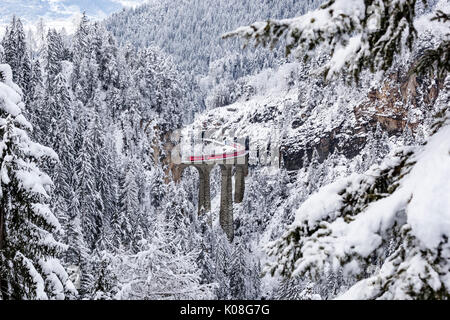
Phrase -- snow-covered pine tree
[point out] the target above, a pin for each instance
(381, 143)
(2, 53)
(53, 55)
(106, 53)
(29, 265)
(161, 270)
(369, 153)
(243, 273)
(129, 207)
(62, 139)
(87, 193)
(435, 61)
(23, 60)
(104, 286)
(205, 260)
(17, 56)
(81, 47)
(35, 100)
(182, 212)
(103, 159)
(315, 174)
(407, 136)
(78, 253)
(356, 34)
(222, 261)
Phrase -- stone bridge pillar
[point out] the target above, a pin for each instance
(226, 201)
(204, 190)
(239, 180)
(239, 186)
(226, 193)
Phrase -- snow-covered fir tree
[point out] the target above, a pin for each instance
(342, 212)
(29, 253)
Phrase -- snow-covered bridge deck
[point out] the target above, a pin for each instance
(212, 151)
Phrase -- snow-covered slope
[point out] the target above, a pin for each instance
(260, 117)
(297, 114)
(400, 208)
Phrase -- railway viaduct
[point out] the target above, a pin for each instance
(237, 159)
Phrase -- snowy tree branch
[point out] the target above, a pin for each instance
(357, 34)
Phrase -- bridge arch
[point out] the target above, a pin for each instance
(204, 188)
(226, 190)
(233, 155)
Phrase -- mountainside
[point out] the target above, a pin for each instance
(191, 30)
(305, 133)
(348, 145)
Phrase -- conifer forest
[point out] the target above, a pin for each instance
(225, 150)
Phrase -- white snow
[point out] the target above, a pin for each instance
(7, 78)
(43, 210)
(32, 181)
(344, 54)
(10, 99)
(35, 275)
(57, 277)
(11, 96)
(421, 202)
(428, 188)
(424, 23)
(321, 204)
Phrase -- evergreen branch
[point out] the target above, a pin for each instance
(441, 16)
(434, 61)
(358, 35)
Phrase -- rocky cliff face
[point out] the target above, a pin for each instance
(338, 119)
(400, 102)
